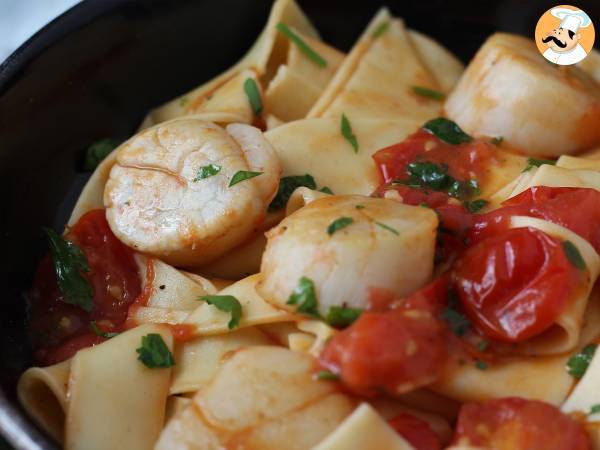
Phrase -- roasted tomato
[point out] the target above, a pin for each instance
(518, 424)
(416, 431)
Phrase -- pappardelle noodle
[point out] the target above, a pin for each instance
(374, 250)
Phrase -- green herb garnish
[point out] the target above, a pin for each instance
(475, 205)
(532, 162)
(346, 129)
(430, 93)
(481, 365)
(242, 175)
(326, 190)
(360, 206)
(287, 185)
(253, 94)
(228, 304)
(573, 255)
(326, 375)
(447, 131)
(338, 224)
(458, 323)
(381, 28)
(96, 152)
(69, 263)
(387, 227)
(207, 171)
(303, 46)
(594, 409)
(578, 363)
(305, 297)
(483, 345)
(154, 352)
(97, 331)
(497, 140)
(429, 175)
(342, 316)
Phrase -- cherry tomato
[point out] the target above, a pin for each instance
(416, 431)
(59, 329)
(513, 285)
(518, 424)
(396, 350)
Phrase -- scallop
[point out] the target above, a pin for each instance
(510, 90)
(172, 193)
(345, 246)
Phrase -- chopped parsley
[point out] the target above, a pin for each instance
(96, 152)
(483, 345)
(475, 205)
(481, 365)
(303, 46)
(228, 304)
(346, 130)
(207, 171)
(242, 175)
(342, 316)
(326, 190)
(594, 409)
(97, 331)
(69, 263)
(447, 131)
(578, 363)
(305, 297)
(154, 352)
(326, 375)
(429, 93)
(387, 227)
(253, 94)
(360, 206)
(338, 224)
(380, 29)
(458, 323)
(573, 255)
(532, 162)
(287, 185)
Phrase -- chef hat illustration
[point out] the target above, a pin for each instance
(571, 19)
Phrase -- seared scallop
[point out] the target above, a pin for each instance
(173, 192)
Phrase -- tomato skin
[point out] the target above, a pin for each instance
(518, 424)
(514, 284)
(59, 329)
(416, 431)
(395, 351)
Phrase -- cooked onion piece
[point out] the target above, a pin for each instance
(384, 244)
(508, 90)
(170, 192)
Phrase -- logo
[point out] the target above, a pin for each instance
(565, 35)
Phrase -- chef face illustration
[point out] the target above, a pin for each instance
(562, 37)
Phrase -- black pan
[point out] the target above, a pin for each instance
(97, 69)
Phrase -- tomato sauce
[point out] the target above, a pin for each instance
(417, 432)
(58, 329)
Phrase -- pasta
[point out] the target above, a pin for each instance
(317, 250)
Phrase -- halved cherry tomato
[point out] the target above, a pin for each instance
(416, 431)
(518, 424)
(396, 351)
(513, 285)
(59, 329)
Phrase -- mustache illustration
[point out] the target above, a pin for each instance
(556, 41)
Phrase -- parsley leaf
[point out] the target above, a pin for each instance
(381, 29)
(96, 152)
(287, 185)
(338, 224)
(326, 375)
(447, 131)
(483, 345)
(573, 255)
(253, 94)
(532, 162)
(346, 130)
(342, 316)
(388, 228)
(97, 331)
(69, 261)
(154, 352)
(578, 363)
(207, 171)
(475, 205)
(305, 297)
(303, 46)
(326, 190)
(242, 175)
(360, 206)
(430, 93)
(226, 303)
(458, 323)
(481, 365)
(594, 409)
(426, 174)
